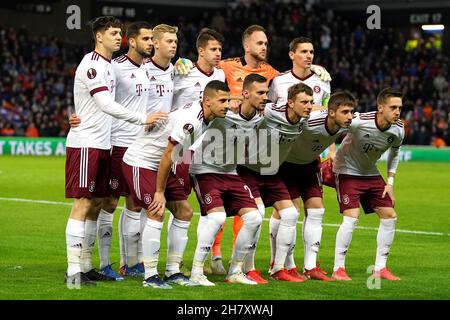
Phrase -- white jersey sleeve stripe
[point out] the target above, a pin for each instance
(94, 91)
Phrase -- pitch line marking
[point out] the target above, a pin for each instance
(265, 219)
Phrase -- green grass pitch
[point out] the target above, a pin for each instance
(33, 253)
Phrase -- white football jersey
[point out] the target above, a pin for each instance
(225, 143)
(161, 87)
(190, 87)
(278, 91)
(313, 140)
(132, 92)
(279, 130)
(183, 127)
(364, 144)
(93, 74)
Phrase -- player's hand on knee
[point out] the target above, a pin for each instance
(183, 66)
(321, 72)
(388, 189)
(74, 121)
(158, 205)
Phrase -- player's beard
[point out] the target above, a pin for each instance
(258, 57)
(143, 53)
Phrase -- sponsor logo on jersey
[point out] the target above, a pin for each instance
(91, 186)
(114, 184)
(208, 198)
(153, 78)
(316, 89)
(133, 76)
(188, 128)
(366, 136)
(239, 79)
(197, 84)
(147, 198)
(91, 73)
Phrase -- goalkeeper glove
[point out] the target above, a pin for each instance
(321, 72)
(182, 66)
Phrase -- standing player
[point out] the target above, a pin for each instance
(301, 52)
(301, 175)
(358, 180)
(88, 147)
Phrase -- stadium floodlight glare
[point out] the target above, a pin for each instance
(433, 27)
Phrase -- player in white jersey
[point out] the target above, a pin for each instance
(87, 148)
(190, 87)
(301, 52)
(147, 157)
(285, 123)
(217, 185)
(301, 174)
(160, 68)
(358, 180)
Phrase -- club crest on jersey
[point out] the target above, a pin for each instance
(147, 198)
(91, 73)
(390, 139)
(208, 198)
(114, 184)
(345, 199)
(91, 186)
(188, 128)
(317, 89)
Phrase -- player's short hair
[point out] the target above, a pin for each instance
(387, 93)
(341, 98)
(297, 88)
(253, 77)
(295, 42)
(206, 35)
(215, 85)
(101, 24)
(160, 29)
(250, 30)
(134, 28)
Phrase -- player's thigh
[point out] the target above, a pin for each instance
(80, 208)
(295, 202)
(129, 203)
(352, 213)
(283, 204)
(110, 203)
(314, 202)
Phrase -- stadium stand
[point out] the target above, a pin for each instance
(36, 75)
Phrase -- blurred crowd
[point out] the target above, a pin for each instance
(37, 72)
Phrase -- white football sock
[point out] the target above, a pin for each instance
(176, 244)
(206, 238)
(343, 239)
(143, 223)
(74, 243)
(202, 221)
(313, 236)
(104, 233)
(274, 224)
(151, 244)
(245, 240)
(123, 259)
(249, 260)
(90, 233)
(385, 238)
(285, 237)
(131, 235)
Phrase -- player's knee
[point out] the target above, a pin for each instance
(218, 218)
(252, 219)
(289, 216)
(315, 213)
